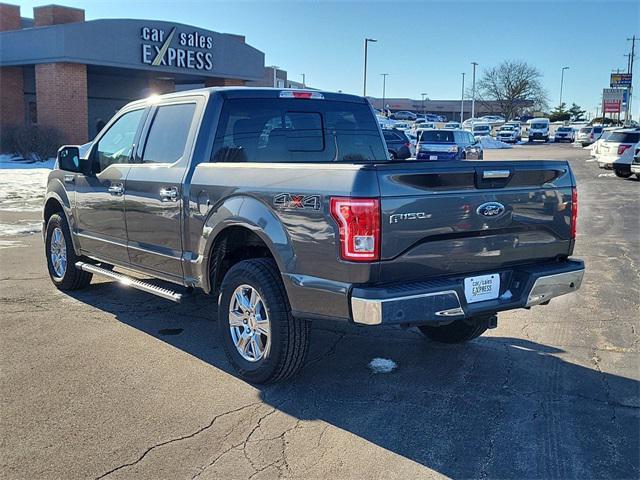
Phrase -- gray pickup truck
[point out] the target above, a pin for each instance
(286, 208)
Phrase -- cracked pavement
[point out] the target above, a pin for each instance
(114, 383)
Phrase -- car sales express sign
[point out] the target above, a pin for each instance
(190, 50)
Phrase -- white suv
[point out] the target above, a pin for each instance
(616, 152)
(635, 164)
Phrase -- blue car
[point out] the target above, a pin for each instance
(448, 145)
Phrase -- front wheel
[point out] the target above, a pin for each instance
(459, 331)
(261, 338)
(61, 258)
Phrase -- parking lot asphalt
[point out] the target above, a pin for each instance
(114, 383)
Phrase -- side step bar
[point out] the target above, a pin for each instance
(131, 282)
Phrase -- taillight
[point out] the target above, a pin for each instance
(574, 212)
(623, 148)
(359, 224)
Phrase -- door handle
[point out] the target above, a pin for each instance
(116, 189)
(168, 194)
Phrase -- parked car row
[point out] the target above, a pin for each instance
(619, 151)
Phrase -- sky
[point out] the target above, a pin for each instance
(424, 46)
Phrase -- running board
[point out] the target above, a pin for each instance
(131, 282)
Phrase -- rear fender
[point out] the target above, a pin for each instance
(250, 213)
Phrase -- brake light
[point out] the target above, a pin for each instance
(358, 220)
(301, 94)
(574, 212)
(623, 148)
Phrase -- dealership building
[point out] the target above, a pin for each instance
(59, 70)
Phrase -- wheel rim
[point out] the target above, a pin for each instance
(58, 253)
(249, 324)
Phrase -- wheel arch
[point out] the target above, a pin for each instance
(56, 203)
(242, 227)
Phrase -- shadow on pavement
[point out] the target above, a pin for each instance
(496, 407)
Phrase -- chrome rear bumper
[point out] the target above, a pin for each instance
(526, 289)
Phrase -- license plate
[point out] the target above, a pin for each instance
(433, 157)
(483, 287)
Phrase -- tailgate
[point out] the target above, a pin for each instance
(449, 218)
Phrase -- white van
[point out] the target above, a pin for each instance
(538, 129)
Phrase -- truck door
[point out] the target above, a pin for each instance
(99, 205)
(154, 190)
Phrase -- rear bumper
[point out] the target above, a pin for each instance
(443, 301)
(635, 167)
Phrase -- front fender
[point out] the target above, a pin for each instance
(58, 194)
(248, 212)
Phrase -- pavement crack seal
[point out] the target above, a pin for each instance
(177, 439)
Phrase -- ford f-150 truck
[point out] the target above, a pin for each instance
(286, 208)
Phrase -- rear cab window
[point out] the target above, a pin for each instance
(271, 130)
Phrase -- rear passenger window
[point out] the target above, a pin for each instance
(168, 135)
(296, 130)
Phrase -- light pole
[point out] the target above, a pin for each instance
(423, 95)
(462, 101)
(384, 85)
(366, 43)
(304, 83)
(561, 84)
(473, 91)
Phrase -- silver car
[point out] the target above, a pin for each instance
(588, 135)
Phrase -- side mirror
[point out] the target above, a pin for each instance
(69, 159)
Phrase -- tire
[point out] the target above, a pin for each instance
(620, 173)
(459, 331)
(284, 350)
(63, 273)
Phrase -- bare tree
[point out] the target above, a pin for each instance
(515, 86)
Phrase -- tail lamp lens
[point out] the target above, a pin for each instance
(358, 220)
(574, 212)
(623, 148)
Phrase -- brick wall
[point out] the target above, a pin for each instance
(159, 86)
(223, 82)
(56, 14)
(11, 96)
(9, 17)
(61, 90)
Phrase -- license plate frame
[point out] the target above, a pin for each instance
(481, 288)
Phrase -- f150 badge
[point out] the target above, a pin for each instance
(291, 200)
(398, 217)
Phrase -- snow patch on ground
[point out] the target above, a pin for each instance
(11, 244)
(606, 175)
(382, 365)
(491, 143)
(23, 183)
(23, 227)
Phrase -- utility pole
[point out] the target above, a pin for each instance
(304, 83)
(462, 101)
(384, 85)
(473, 92)
(561, 83)
(366, 43)
(633, 41)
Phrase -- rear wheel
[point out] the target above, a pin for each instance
(61, 258)
(261, 338)
(459, 331)
(622, 172)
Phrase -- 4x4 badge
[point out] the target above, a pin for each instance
(291, 200)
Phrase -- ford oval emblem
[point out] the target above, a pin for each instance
(490, 209)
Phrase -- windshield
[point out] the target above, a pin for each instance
(624, 137)
(539, 126)
(564, 129)
(436, 136)
(585, 130)
(507, 129)
(481, 128)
